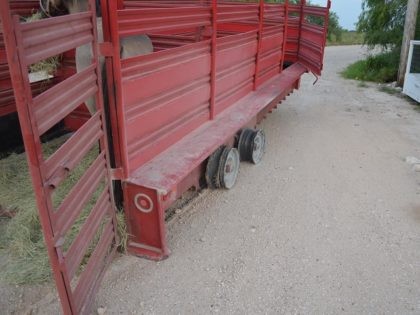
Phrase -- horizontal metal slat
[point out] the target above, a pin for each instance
(23, 7)
(234, 41)
(78, 248)
(149, 20)
(53, 36)
(7, 109)
(230, 13)
(99, 259)
(6, 97)
(143, 65)
(315, 11)
(313, 28)
(161, 79)
(293, 8)
(82, 191)
(140, 144)
(148, 3)
(313, 46)
(59, 101)
(133, 113)
(65, 159)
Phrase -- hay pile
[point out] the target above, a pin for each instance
(21, 243)
(50, 65)
(24, 259)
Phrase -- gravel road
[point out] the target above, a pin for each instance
(328, 223)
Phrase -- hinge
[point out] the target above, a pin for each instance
(116, 173)
(106, 49)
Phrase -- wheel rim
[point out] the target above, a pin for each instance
(230, 168)
(258, 147)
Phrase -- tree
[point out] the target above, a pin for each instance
(382, 22)
(334, 27)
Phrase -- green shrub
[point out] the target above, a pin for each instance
(379, 68)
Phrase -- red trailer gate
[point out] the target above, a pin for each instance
(217, 69)
(77, 274)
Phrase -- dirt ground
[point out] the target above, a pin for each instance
(328, 223)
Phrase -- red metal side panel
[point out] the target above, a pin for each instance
(90, 199)
(274, 14)
(175, 101)
(237, 12)
(235, 68)
(313, 37)
(156, 20)
(293, 33)
(271, 53)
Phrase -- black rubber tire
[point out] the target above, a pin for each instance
(243, 144)
(212, 168)
(251, 145)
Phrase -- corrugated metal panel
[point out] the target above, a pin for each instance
(177, 94)
(312, 37)
(152, 20)
(235, 68)
(62, 34)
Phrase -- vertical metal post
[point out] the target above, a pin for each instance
(285, 32)
(327, 19)
(326, 23)
(259, 47)
(301, 19)
(109, 75)
(116, 60)
(213, 59)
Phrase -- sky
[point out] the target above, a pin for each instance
(348, 11)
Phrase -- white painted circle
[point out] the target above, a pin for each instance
(137, 200)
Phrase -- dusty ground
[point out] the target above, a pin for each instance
(328, 223)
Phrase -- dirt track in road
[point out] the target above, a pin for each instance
(328, 223)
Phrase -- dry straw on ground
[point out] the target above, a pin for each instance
(24, 257)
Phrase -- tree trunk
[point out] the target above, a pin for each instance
(409, 33)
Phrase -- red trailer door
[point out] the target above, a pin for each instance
(312, 36)
(79, 253)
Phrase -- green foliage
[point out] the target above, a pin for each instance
(334, 28)
(377, 68)
(347, 38)
(383, 22)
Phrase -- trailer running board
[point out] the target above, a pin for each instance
(157, 184)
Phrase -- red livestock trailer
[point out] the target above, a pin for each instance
(178, 118)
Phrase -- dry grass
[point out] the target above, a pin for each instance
(22, 243)
(49, 65)
(24, 259)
